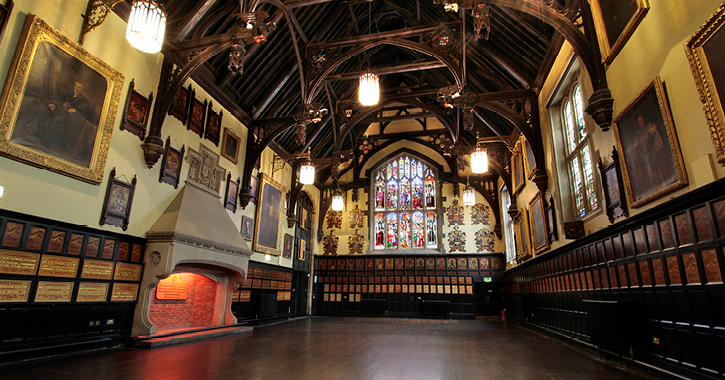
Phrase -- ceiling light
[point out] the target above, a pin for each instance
(479, 161)
(369, 90)
(338, 202)
(146, 26)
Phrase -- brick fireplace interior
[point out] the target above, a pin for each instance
(184, 300)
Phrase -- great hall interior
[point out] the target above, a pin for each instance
(177, 166)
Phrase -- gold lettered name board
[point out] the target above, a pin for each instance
(50, 291)
(58, 266)
(21, 263)
(124, 292)
(14, 291)
(97, 269)
(127, 272)
(92, 292)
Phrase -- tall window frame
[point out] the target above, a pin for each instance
(405, 203)
(577, 153)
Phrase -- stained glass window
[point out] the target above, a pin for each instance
(581, 169)
(406, 199)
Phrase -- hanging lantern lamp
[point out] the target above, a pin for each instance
(146, 26)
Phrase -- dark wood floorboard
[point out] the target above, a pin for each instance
(342, 348)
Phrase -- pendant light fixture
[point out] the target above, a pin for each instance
(307, 171)
(469, 196)
(146, 26)
(369, 87)
(479, 158)
(338, 202)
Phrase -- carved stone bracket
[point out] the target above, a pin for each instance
(153, 149)
(601, 108)
(541, 179)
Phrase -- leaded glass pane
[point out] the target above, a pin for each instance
(407, 167)
(392, 195)
(579, 104)
(578, 188)
(569, 126)
(379, 192)
(404, 230)
(431, 226)
(430, 190)
(417, 193)
(404, 194)
(379, 231)
(389, 171)
(392, 231)
(589, 177)
(418, 230)
(395, 170)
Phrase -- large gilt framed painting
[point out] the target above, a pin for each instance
(615, 21)
(59, 104)
(652, 163)
(706, 52)
(269, 210)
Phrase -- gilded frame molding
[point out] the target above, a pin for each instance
(712, 104)
(259, 225)
(610, 49)
(36, 31)
(537, 210)
(672, 140)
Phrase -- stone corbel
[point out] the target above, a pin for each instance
(601, 108)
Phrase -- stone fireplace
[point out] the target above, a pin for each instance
(195, 257)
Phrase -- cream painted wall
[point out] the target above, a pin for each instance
(54, 196)
(655, 48)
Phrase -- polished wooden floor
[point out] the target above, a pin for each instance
(342, 348)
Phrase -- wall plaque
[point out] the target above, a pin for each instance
(92, 292)
(96, 269)
(49, 291)
(172, 288)
(124, 292)
(58, 266)
(245, 296)
(127, 272)
(14, 262)
(14, 291)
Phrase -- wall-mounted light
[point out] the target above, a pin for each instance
(267, 257)
(146, 26)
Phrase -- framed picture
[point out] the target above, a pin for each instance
(706, 52)
(615, 21)
(303, 247)
(5, 11)
(59, 105)
(254, 184)
(213, 129)
(171, 164)
(230, 200)
(521, 233)
(539, 233)
(117, 205)
(614, 198)
(197, 115)
(517, 174)
(646, 136)
(137, 111)
(529, 159)
(180, 106)
(230, 145)
(551, 220)
(269, 210)
(287, 251)
(247, 227)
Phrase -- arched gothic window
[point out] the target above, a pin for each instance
(405, 202)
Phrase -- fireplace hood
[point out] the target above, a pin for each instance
(194, 232)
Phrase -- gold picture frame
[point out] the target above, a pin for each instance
(539, 224)
(48, 118)
(652, 164)
(704, 51)
(615, 23)
(517, 169)
(521, 233)
(267, 231)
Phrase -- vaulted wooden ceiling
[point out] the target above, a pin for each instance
(319, 47)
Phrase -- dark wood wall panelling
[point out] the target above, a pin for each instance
(667, 263)
(61, 282)
(408, 285)
(265, 294)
